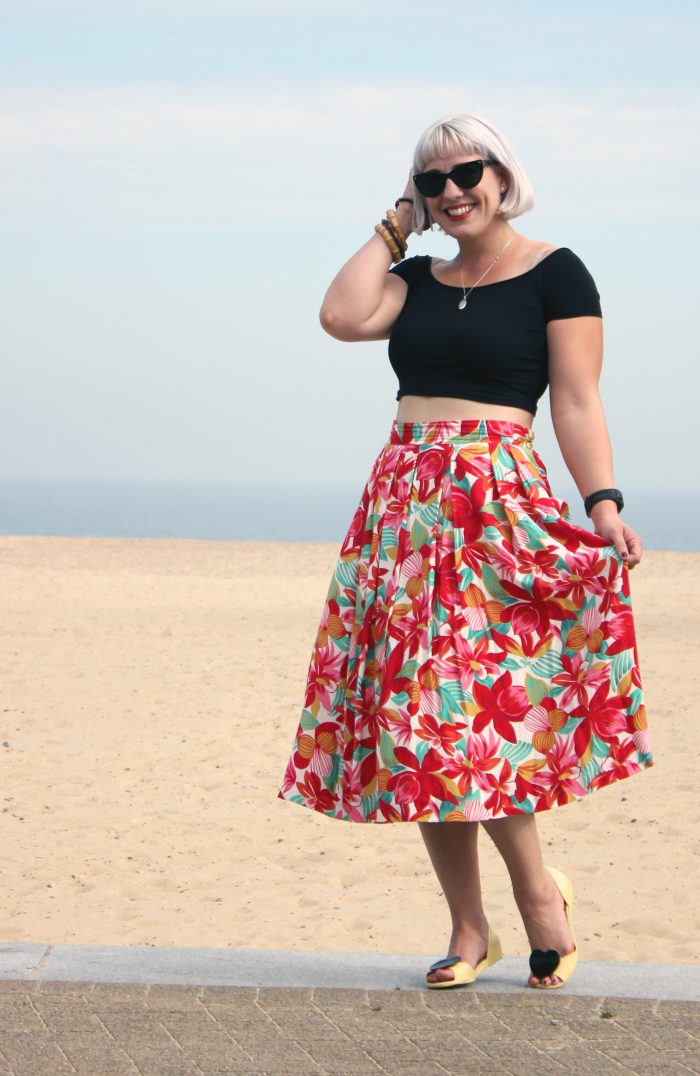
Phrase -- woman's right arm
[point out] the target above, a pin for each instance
(365, 299)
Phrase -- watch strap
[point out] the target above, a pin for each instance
(604, 495)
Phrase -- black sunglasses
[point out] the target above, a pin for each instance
(466, 175)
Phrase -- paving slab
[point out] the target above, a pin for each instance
(276, 1031)
(149, 965)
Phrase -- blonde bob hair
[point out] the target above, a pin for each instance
(464, 133)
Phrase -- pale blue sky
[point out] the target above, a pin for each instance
(179, 182)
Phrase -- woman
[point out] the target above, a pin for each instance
(476, 659)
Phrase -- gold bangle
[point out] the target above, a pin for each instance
(394, 248)
(388, 238)
(396, 228)
(392, 231)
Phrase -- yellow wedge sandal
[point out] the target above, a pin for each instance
(544, 964)
(464, 973)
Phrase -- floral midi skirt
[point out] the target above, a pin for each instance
(476, 656)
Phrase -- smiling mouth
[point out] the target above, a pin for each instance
(458, 212)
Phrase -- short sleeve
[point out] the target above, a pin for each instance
(412, 270)
(567, 288)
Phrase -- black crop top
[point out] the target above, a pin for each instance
(495, 351)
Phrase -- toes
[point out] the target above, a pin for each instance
(546, 980)
(442, 976)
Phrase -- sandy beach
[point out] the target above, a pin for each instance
(151, 690)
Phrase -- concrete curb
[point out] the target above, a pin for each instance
(22, 961)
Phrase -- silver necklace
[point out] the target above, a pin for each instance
(463, 301)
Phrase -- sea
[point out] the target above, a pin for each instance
(221, 511)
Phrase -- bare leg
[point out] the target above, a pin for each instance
(538, 899)
(452, 847)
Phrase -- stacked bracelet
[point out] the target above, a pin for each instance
(397, 230)
(391, 242)
(393, 235)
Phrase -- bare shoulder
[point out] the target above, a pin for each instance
(533, 251)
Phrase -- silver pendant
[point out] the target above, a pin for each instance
(462, 303)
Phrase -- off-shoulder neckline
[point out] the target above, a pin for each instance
(494, 283)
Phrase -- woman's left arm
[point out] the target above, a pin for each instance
(575, 359)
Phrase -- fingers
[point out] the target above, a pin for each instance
(621, 548)
(629, 547)
(634, 548)
(627, 543)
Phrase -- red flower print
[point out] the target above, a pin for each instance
(478, 612)
(430, 465)
(355, 538)
(641, 731)
(315, 749)
(500, 706)
(579, 678)
(544, 722)
(324, 675)
(336, 622)
(619, 763)
(480, 759)
(414, 571)
(410, 623)
(440, 733)
(367, 721)
(398, 723)
(290, 775)
(465, 659)
(466, 510)
(472, 460)
(352, 792)
(612, 586)
(539, 562)
(446, 576)
(418, 781)
(583, 576)
(526, 646)
(317, 797)
(473, 556)
(424, 694)
(502, 791)
(396, 505)
(502, 560)
(589, 633)
(621, 631)
(559, 781)
(392, 682)
(475, 657)
(390, 812)
(533, 612)
(603, 717)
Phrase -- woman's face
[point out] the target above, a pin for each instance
(466, 213)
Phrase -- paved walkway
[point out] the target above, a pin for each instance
(50, 1026)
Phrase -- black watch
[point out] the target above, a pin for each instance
(604, 495)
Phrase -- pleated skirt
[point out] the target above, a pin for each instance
(476, 655)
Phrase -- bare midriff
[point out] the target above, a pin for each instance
(450, 409)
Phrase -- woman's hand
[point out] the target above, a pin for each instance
(404, 210)
(609, 525)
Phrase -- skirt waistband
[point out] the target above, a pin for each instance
(408, 433)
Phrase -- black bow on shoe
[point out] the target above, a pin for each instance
(543, 964)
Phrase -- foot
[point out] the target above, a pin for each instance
(546, 924)
(469, 944)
